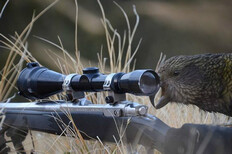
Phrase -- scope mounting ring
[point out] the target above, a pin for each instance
(71, 94)
(108, 80)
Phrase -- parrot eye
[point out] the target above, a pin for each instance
(176, 73)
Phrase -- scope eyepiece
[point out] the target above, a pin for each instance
(37, 82)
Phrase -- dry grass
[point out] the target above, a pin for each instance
(174, 115)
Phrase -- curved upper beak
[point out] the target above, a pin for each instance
(162, 100)
(152, 97)
(152, 100)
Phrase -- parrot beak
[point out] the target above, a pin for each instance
(154, 97)
(160, 98)
(152, 100)
(162, 102)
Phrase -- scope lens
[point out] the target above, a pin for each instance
(148, 83)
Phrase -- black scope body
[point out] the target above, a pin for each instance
(37, 82)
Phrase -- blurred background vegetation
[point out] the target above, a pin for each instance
(172, 27)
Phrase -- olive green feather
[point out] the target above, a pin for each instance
(203, 80)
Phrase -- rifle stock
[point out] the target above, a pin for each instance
(91, 120)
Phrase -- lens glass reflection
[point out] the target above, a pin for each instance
(148, 83)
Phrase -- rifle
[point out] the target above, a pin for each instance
(117, 120)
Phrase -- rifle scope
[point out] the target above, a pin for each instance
(37, 82)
